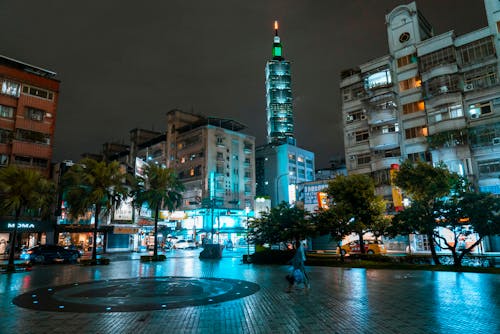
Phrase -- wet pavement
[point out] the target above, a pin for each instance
(227, 296)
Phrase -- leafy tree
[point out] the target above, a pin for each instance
(354, 199)
(427, 186)
(335, 223)
(94, 185)
(24, 192)
(282, 224)
(480, 211)
(159, 188)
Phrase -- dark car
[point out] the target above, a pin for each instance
(51, 254)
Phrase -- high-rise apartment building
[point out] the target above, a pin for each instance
(435, 98)
(28, 108)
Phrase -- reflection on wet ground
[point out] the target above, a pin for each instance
(339, 301)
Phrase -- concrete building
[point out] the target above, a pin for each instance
(28, 110)
(433, 98)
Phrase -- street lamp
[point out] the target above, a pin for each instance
(247, 211)
(277, 187)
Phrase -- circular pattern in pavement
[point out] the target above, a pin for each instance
(137, 294)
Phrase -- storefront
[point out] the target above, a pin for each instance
(82, 236)
(29, 233)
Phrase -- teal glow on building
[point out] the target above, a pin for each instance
(279, 96)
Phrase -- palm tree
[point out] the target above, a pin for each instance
(96, 185)
(159, 188)
(21, 191)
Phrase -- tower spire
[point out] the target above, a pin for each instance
(277, 48)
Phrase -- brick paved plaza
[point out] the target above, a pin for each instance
(339, 301)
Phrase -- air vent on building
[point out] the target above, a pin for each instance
(468, 87)
(475, 116)
(363, 116)
(352, 157)
(496, 141)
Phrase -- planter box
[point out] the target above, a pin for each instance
(211, 251)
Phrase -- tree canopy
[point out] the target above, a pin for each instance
(94, 185)
(282, 224)
(24, 192)
(159, 188)
(355, 203)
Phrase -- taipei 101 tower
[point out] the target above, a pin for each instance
(279, 96)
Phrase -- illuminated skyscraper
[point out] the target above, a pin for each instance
(279, 96)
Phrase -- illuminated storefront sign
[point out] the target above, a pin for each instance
(21, 225)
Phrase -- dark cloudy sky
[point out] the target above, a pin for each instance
(123, 64)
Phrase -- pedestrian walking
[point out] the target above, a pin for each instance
(298, 275)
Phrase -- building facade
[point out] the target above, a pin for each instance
(28, 110)
(433, 98)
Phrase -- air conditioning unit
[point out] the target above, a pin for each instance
(496, 141)
(475, 116)
(352, 157)
(350, 118)
(443, 89)
(468, 87)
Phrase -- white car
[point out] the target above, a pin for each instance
(185, 244)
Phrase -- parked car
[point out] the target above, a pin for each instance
(50, 254)
(371, 247)
(185, 244)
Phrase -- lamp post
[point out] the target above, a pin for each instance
(247, 211)
(277, 187)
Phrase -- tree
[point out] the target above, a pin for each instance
(159, 188)
(354, 199)
(335, 223)
(426, 185)
(24, 191)
(480, 212)
(282, 224)
(94, 185)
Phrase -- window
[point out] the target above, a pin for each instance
(447, 112)
(361, 136)
(220, 156)
(5, 136)
(413, 107)
(419, 131)
(6, 111)
(410, 83)
(11, 88)
(437, 58)
(420, 156)
(291, 157)
(442, 85)
(20, 160)
(382, 177)
(35, 114)
(38, 162)
(480, 78)
(364, 159)
(478, 109)
(4, 159)
(32, 136)
(355, 116)
(477, 51)
(300, 160)
(38, 92)
(406, 60)
(489, 166)
(378, 79)
(219, 141)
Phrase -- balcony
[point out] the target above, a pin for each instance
(384, 141)
(381, 116)
(442, 69)
(31, 149)
(447, 125)
(384, 163)
(442, 99)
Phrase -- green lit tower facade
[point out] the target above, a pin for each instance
(279, 96)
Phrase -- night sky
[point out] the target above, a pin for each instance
(123, 64)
